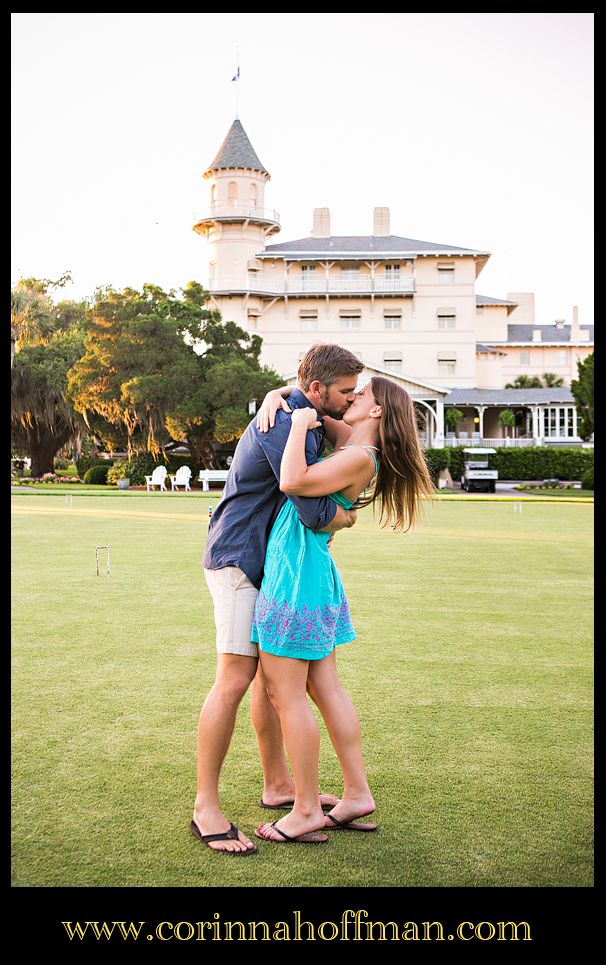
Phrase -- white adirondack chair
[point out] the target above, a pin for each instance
(157, 478)
(181, 478)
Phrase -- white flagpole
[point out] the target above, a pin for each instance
(237, 78)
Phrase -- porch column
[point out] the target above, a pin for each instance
(535, 422)
(480, 409)
(438, 441)
(575, 430)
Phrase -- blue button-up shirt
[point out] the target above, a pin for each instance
(239, 528)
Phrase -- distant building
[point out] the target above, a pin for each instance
(406, 308)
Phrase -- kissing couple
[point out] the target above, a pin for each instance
(279, 604)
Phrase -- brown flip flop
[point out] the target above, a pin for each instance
(288, 805)
(351, 825)
(231, 835)
(310, 838)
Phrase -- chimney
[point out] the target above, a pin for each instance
(321, 228)
(381, 222)
(536, 335)
(523, 313)
(575, 328)
(560, 322)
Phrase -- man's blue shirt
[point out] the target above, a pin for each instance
(239, 528)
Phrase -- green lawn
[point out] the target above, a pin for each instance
(472, 675)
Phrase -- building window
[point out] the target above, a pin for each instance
(252, 195)
(558, 422)
(350, 321)
(446, 317)
(447, 362)
(308, 278)
(446, 272)
(393, 360)
(393, 321)
(525, 356)
(232, 194)
(563, 357)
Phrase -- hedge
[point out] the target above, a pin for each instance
(529, 462)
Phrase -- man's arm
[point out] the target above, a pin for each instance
(314, 512)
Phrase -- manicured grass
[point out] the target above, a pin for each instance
(472, 675)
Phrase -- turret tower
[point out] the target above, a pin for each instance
(237, 225)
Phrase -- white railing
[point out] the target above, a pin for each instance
(493, 443)
(238, 210)
(320, 286)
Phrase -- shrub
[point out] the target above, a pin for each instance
(436, 460)
(531, 462)
(135, 469)
(119, 470)
(85, 462)
(587, 479)
(97, 475)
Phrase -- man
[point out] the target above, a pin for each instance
(233, 567)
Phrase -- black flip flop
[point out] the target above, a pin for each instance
(231, 835)
(310, 838)
(288, 805)
(350, 825)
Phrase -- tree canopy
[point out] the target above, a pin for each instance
(163, 368)
(582, 389)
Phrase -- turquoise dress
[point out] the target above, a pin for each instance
(301, 610)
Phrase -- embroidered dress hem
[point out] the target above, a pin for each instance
(310, 652)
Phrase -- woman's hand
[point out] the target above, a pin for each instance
(306, 417)
(266, 416)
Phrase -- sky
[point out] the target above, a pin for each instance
(476, 130)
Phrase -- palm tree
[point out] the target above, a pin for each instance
(552, 381)
(507, 419)
(525, 382)
(30, 317)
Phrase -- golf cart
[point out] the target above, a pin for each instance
(477, 476)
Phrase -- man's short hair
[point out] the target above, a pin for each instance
(326, 363)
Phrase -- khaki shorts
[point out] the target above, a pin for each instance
(234, 598)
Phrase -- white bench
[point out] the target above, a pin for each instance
(207, 476)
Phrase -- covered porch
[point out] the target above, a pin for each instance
(542, 417)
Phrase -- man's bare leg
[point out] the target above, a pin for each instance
(215, 729)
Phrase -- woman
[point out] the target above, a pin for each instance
(302, 615)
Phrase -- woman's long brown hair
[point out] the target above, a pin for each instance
(403, 479)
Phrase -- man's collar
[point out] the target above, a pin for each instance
(300, 399)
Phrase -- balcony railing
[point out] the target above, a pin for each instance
(238, 210)
(491, 442)
(318, 286)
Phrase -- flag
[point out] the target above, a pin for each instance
(236, 75)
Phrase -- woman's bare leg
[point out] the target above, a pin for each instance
(286, 680)
(343, 726)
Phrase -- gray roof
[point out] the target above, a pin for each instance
(510, 396)
(362, 244)
(236, 151)
(549, 333)
(487, 349)
(487, 300)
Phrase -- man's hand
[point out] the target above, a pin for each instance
(343, 519)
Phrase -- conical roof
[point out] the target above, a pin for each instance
(237, 151)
